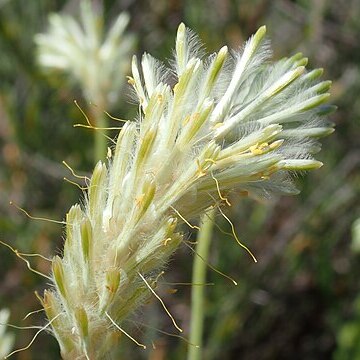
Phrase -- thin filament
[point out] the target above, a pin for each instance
(124, 332)
(162, 303)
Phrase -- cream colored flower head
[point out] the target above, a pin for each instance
(96, 59)
(208, 127)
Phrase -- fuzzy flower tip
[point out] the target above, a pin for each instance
(233, 123)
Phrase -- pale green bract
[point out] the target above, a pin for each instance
(233, 123)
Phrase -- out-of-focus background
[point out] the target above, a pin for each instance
(302, 299)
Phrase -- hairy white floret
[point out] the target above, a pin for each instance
(230, 125)
(96, 59)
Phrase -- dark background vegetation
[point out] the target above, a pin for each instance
(301, 300)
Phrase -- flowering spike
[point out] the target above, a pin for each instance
(239, 125)
(82, 47)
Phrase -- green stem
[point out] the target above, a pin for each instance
(198, 290)
(100, 140)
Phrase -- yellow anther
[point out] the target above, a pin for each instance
(259, 149)
(172, 291)
(139, 199)
(195, 116)
(253, 147)
(130, 80)
(166, 241)
(186, 120)
(257, 152)
(217, 125)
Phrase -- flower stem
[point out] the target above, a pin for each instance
(100, 141)
(198, 290)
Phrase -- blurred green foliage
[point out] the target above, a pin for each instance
(301, 300)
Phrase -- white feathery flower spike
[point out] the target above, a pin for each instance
(96, 59)
(230, 124)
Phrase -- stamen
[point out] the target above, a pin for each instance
(222, 230)
(35, 254)
(110, 139)
(218, 190)
(114, 118)
(124, 332)
(33, 339)
(73, 172)
(19, 255)
(163, 332)
(186, 284)
(130, 80)
(235, 236)
(191, 242)
(159, 275)
(35, 217)
(162, 303)
(96, 127)
(76, 184)
(83, 112)
(21, 327)
(183, 219)
(32, 313)
(211, 266)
